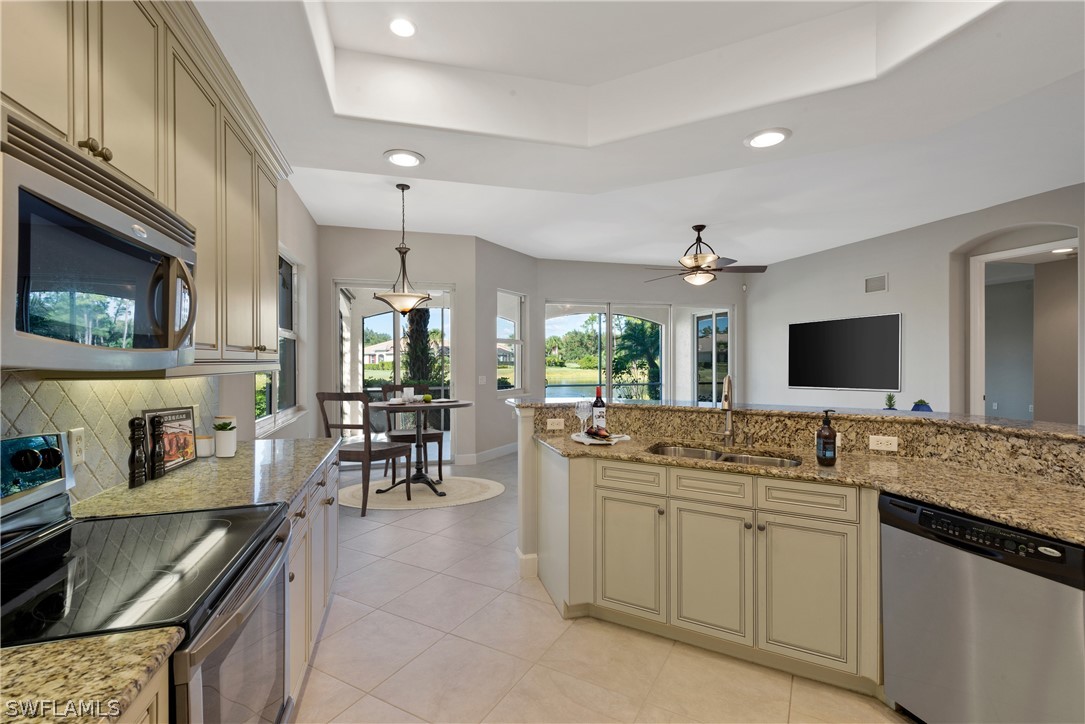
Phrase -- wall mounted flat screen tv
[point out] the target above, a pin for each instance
(857, 353)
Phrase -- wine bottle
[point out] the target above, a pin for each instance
(599, 411)
(137, 459)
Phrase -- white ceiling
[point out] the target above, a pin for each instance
(595, 131)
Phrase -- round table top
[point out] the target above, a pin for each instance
(440, 404)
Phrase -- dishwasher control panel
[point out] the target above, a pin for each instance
(985, 535)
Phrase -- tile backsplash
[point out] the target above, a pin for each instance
(102, 408)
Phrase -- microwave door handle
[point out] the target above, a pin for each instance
(190, 322)
(154, 289)
(208, 641)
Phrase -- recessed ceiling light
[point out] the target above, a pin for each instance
(1068, 250)
(402, 27)
(767, 137)
(403, 157)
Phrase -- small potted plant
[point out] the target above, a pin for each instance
(890, 401)
(225, 438)
(921, 405)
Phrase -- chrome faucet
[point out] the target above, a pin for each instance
(728, 434)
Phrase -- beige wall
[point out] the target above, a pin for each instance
(1055, 334)
(928, 284)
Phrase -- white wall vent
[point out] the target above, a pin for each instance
(876, 284)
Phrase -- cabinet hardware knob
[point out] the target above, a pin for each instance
(660, 511)
(91, 144)
(261, 348)
(749, 525)
(335, 463)
(329, 501)
(291, 578)
(322, 483)
(300, 513)
(105, 154)
(761, 526)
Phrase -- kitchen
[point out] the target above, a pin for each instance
(922, 245)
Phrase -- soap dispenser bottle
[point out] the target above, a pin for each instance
(826, 442)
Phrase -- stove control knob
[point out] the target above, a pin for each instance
(26, 460)
(51, 457)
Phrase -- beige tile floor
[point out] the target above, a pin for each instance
(430, 621)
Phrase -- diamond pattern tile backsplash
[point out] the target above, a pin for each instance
(102, 408)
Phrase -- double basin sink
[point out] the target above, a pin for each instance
(738, 458)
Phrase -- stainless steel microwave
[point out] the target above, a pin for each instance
(95, 276)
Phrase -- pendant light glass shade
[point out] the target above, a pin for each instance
(402, 297)
(698, 278)
(698, 254)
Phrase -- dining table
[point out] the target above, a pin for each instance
(420, 475)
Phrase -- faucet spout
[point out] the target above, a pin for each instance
(726, 406)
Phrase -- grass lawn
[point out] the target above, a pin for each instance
(571, 376)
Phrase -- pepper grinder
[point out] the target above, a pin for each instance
(158, 447)
(137, 459)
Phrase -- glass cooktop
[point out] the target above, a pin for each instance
(111, 574)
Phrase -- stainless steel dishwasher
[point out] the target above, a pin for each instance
(981, 622)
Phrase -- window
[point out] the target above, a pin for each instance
(711, 355)
(277, 392)
(510, 340)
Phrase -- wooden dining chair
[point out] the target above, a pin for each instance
(407, 434)
(362, 449)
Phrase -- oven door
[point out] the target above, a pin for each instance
(234, 668)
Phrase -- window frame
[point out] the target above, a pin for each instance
(279, 418)
(516, 343)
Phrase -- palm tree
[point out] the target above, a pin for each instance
(640, 342)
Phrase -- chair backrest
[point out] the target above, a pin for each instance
(388, 390)
(339, 398)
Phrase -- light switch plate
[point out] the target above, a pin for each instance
(555, 423)
(482, 379)
(77, 446)
(886, 443)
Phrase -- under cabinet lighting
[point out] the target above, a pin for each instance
(1064, 251)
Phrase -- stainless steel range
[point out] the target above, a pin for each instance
(218, 574)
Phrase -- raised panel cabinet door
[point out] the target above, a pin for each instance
(331, 529)
(268, 261)
(36, 62)
(808, 590)
(711, 572)
(192, 110)
(318, 531)
(631, 553)
(127, 51)
(239, 273)
(298, 596)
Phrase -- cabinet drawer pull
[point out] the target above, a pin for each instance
(329, 501)
(660, 511)
(300, 513)
(761, 526)
(91, 144)
(335, 463)
(291, 577)
(105, 154)
(261, 348)
(749, 525)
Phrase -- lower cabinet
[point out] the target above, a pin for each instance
(313, 561)
(781, 582)
(152, 704)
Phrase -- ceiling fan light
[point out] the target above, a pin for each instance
(693, 261)
(699, 278)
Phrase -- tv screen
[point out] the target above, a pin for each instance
(858, 353)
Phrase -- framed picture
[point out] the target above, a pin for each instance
(179, 435)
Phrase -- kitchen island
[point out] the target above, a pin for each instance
(115, 669)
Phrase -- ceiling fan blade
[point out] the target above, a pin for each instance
(667, 268)
(742, 269)
(668, 276)
(725, 261)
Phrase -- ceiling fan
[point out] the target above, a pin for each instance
(701, 263)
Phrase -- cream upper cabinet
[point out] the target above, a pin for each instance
(808, 572)
(712, 569)
(267, 255)
(239, 269)
(125, 102)
(631, 553)
(192, 113)
(37, 57)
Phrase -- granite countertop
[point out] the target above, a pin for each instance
(1030, 503)
(264, 471)
(101, 674)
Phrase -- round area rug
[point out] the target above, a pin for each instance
(458, 491)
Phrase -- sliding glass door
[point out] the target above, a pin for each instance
(712, 360)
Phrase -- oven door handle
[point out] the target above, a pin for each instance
(206, 642)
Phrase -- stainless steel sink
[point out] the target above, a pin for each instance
(700, 453)
(757, 460)
(678, 451)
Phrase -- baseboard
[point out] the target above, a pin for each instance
(485, 455)
(529, 564)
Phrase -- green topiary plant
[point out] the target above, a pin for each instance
(921, 401)
(890, 401)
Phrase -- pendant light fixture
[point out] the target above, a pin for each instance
(404, 298)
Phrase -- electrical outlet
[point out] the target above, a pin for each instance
(1030, 408)
(994, 405)
(76, 446)
(886, 443)
(482, 379)
(555, 423)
